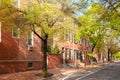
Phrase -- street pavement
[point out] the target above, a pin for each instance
(108, 72)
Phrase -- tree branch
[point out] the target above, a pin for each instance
(41, 27)
(52, 23)
(38, 35)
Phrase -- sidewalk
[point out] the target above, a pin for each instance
(33, 75)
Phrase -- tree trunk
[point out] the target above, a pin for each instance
(44, 51)
(108, 55)
(45, 39)
(111, 56)
(45, 55)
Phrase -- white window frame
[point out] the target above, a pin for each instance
(16, 3)
(30, 40)
(31, 34)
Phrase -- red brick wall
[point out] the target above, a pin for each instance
(25, 54)
(8, 47)
(14, 54)
(54, 61)
(12, 67)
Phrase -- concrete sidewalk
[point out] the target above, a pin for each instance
(32, 75)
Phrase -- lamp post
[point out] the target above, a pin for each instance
(85, 53)
(84, 59)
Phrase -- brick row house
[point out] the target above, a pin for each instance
(22, 54)
(74, 52)
(16, 52)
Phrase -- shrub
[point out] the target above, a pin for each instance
(53, 49)
(44, 73)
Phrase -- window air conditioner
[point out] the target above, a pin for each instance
(30, 47)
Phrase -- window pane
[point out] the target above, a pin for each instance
(30, 65)
(30, 38)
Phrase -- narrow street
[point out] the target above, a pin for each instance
(109, 72)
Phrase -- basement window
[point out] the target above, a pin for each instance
(30, 65)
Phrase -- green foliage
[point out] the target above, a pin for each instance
(41, 17)
(92, 27)
(44, 73)
(53, 49)
(117, 55)
(4, 3)
(90, 55)
(100, 25)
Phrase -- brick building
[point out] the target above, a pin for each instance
(75, 51)
(21, 54)
(17, 53)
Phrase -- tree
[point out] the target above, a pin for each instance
(112, 18)
(94, 29)
(112, 15)
(100, 25)
(43, 18)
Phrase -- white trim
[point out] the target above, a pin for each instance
(31, 34)
(18, 3)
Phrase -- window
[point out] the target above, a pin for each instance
(81, 41)
(0, 31)
(71, 37)
(87, 44)
(16, 3)
(66, 35)
(30, 40)
(30, 65)
(15, 32)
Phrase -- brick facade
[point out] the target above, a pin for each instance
(54, 61)
(15, 56)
